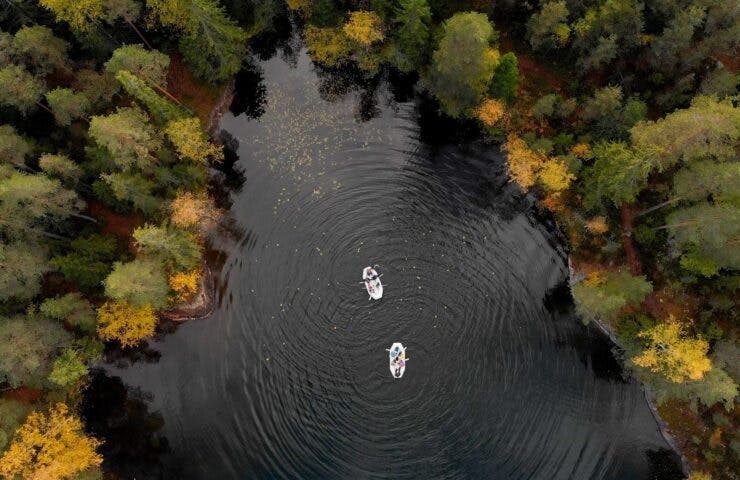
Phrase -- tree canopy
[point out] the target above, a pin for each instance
(140, 282)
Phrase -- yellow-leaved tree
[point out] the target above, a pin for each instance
(524, 164)
(189, 210)
(123, 322)
(364, 27)
(554, 175)
(328, 46)
(490, 112)
(190, 142)
(81, 15)
(671, 353)
(185, 284)
(50, 447)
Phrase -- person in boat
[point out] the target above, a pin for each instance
(371, 274)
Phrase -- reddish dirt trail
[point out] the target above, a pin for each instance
(119, 225)
(25, 395)
(529, 68)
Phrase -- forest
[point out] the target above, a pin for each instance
(618, 116)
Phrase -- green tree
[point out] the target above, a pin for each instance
(170, 245)
(720, 82)
(151, 65)
(603, 295)
(135, 188)
(28, 347)
(98, 87)
(606, 30)
(7, 55)
(79, 14)
(618, 174)
(704, 178)
(88, 261)
(38, 48)
(68, 368)
(708, 129)
(668, 47)
(412, 38)
(608, 116)
(464, 63)
(140, 282)
(128, 136)
(61, 168)
(13, 148)
(71, 308)
(505, 78)
(67, 105)
(21, 269)
(161, 109)
(20, 89)
(548, 28)
(12, 414)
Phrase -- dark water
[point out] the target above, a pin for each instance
(289, 377)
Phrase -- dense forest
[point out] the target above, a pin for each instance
(619, 117)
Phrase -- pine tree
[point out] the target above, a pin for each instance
(67, 105)
(20, 89)
(505, 78)
(412, 38)
(21, 269)
(128, 136)
(81, 15)
(13, 148)
(38, 48)
(161, 109)
(149, 65)
(139, 282)
(172, 246)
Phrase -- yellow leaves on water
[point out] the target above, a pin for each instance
(364, 27)
(125, 323)
(185, 284)
(50, 447)
(527, 167)
(490, 112)
(673, 354)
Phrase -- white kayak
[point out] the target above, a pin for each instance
(397, 359)
(372, 283)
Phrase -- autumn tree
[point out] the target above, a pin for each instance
(71, 308)
(185, 284)
(128, 136)
(28, 347)
(548, 28)
(126, 324)
(50, 446)
(79, 14)
(13, 147)
(464, 62)
(37, 47)
(170, 245)
(412, 35)
(151, 65)
(364, 27)
(20, 89)
(139, 282)
(189, 210)
(67, 105)
(490, 112)
(603, 294)
(328, 46)
(191, 142)
(673, 354)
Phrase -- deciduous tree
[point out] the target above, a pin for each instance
(189, 210)
(548, 28)
(523, 163)
(364, 27)
(79, 14)
(71, 308)
(603, 294)
(50, 446)
(464, 63)
(126, 324)
(139, 282)
(328, 46)
(187, 136)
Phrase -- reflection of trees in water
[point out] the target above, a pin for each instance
(250, 93)
(664, 464)
(119, 415)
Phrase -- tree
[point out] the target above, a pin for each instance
(161, 109)
(189, 210)
(703, 178)
(7, 55)
(126, 324)
(187, 136)
(605, 30)
(98, 88)
(707, 234)
(88, 262)
(20, 89)
(505, 78)
(151, 65)
(523, 163)
(139, 282)
(12, 414)
(490, 112)
(61, 168)
(28, 203)
(28, 346)
(618, 174)
(676, 36)
(135, 188)
(21, 269)
(410, 44)
(68, 368)
(185, 284)
(328, 46)
(708, 129)
(52, 446)
(13, 148)
(128, 136)
(79, 14)
(608, 116)
(364, 27)
(554, 175)
(604, 294)
(548, 28)
(464, 63)
(170, 245)
(67, 105)
(38, 48)
(671, 353)
(71, 308)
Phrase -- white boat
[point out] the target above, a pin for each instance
(372, 283)
(397, 359)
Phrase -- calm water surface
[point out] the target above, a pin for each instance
(289, 376)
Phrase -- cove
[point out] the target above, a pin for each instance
(288, 378)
